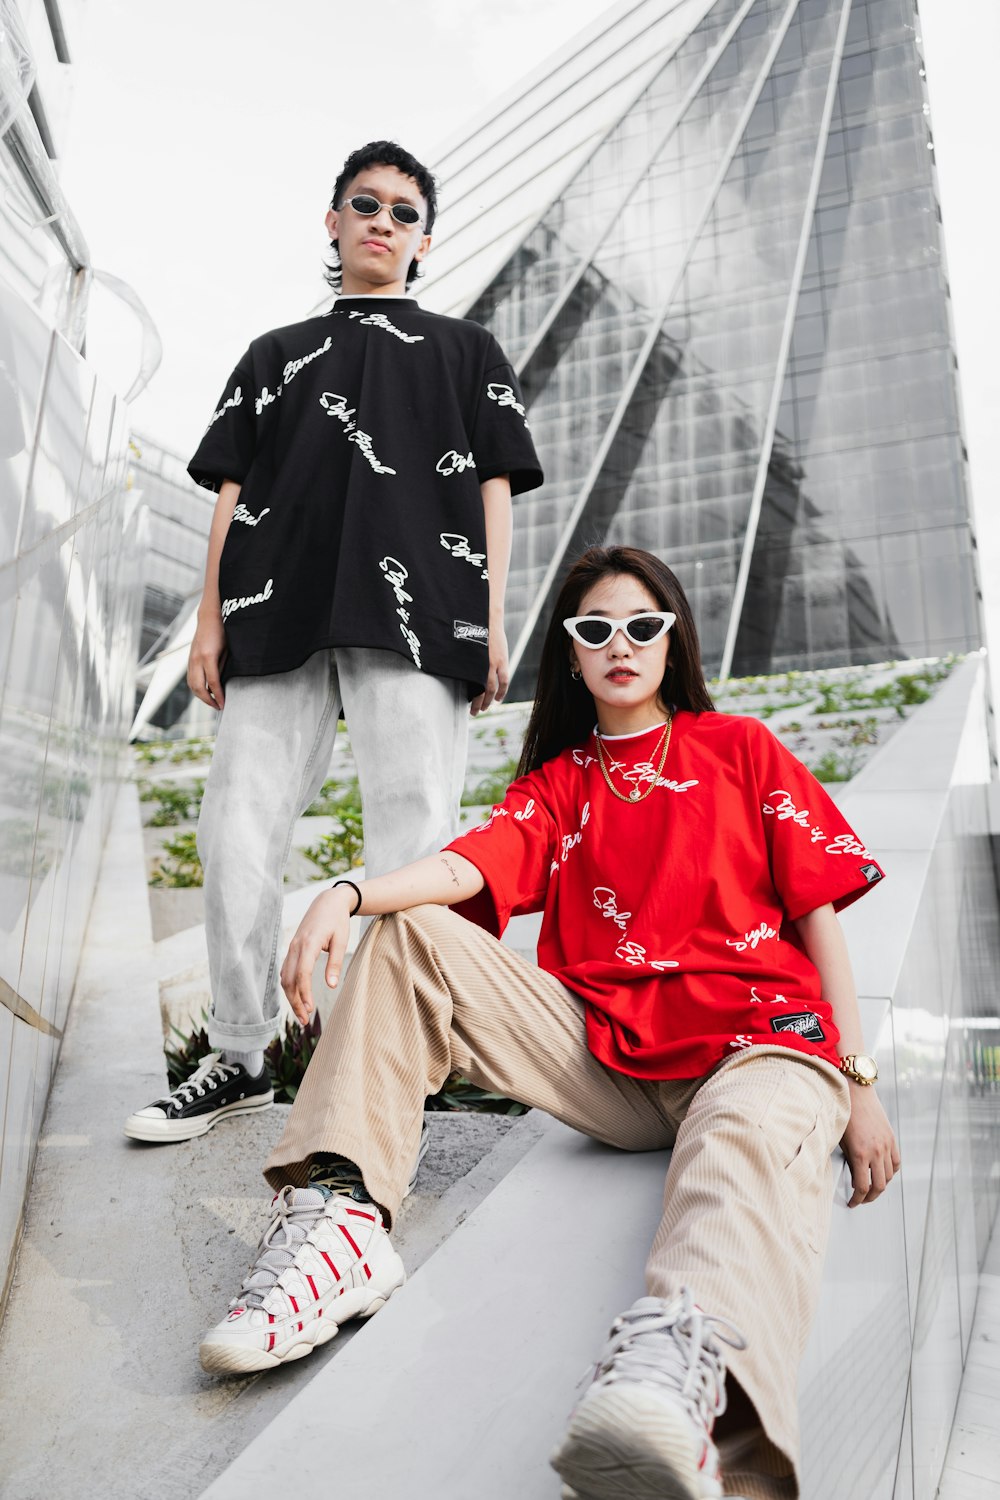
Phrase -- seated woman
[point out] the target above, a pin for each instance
(693, 990)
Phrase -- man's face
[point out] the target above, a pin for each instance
(375, 250)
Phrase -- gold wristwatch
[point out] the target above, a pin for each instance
(862, 1069)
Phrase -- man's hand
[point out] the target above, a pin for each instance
(208, 652)
(498, 680)
(869, 1145)
(323, 929)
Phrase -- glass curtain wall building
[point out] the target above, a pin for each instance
(179, 520)
(708, 235)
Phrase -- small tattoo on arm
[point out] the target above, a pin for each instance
(451, 871)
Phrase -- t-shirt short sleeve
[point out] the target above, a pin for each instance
(513, 851)
(226, 451)
(816, 857)
(501, 438)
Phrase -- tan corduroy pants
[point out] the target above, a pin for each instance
(748, 1193)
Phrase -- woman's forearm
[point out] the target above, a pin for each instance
(868, 1141)
(824, 942)
(439, 880)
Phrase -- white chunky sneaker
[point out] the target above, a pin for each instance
(643, 1429)
(322, 1260)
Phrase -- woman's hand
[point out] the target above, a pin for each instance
(323, 929)
(208, 652)
(869, 1145)
(442, 879)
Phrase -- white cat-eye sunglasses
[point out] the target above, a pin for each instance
(595, 631)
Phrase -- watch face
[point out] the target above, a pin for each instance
(866, 1067)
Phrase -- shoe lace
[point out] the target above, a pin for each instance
(673, 1344)
(209, 1074)
(296, 1212)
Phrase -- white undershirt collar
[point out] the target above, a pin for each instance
(632, 735)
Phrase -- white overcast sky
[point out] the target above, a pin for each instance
(205, 137)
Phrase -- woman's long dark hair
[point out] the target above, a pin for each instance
(563, 713)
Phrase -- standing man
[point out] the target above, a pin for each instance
(365, 461)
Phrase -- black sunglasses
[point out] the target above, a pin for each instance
(368, 207)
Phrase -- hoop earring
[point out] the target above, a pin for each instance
(575, 673)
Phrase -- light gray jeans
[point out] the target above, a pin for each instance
(409, 734)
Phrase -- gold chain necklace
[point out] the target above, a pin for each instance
(635, 795)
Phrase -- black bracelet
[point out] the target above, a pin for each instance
(356, 889)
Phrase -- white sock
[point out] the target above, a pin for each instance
(252, 1061)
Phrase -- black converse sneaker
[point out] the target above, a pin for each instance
(215, 1090)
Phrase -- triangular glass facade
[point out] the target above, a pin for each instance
(732, 327)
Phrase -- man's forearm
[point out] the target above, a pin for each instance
(222, 519)
(499, 518)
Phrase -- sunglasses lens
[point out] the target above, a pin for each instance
(404, 213)
(362, 204)
(644, 629)
(593, 632)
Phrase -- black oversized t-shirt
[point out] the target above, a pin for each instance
(360, 439)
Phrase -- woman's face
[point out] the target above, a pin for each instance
(623, 678)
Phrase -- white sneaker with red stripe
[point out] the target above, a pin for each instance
(643, 1429)
(322, 1260)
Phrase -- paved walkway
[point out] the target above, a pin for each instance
(130, 1252)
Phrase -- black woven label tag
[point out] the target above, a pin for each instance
(803, 1023)
(465, 631)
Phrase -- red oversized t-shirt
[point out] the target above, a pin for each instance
(671, 917)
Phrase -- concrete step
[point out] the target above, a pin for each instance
(461, 1385)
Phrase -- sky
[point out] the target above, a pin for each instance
(204, 140)
(203, 150)
(962, 49)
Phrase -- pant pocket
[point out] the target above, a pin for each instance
(808, 1186)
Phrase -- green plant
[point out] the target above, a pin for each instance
(830, 767)
(184, 1055)
(831, 698)
(333, 797)
(342, 849)
(459, 1094)
(182, 867)
(768, 710)
(25, 853)
(191, 750)
(150, 752)
(178, 804)
(288, 1056)
(492, 788)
